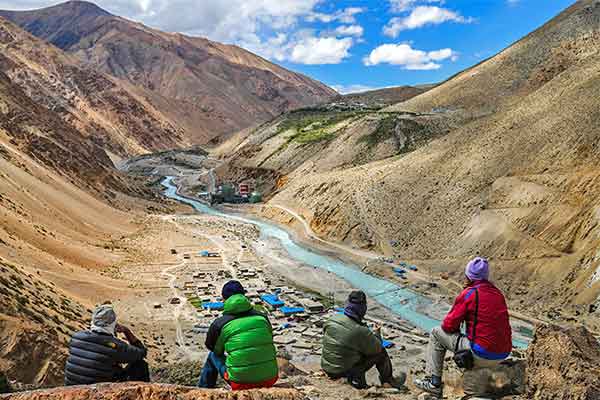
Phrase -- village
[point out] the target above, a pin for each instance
(297, 316)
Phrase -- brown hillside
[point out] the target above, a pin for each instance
(209, 87)
(113, 114)
(509, 171)
(57, 232)
(351, 130)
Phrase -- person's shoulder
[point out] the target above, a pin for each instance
(81, 334)
(221, 321)
(348, 322)
(97, 338)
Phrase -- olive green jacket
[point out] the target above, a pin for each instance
(345, 343)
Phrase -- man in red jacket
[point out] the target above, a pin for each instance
(488, 333)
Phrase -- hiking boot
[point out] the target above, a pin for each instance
(397, 381)
(358, 381)
(427, 385)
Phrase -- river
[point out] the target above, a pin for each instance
(407, 304)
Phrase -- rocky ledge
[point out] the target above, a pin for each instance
(141, 391)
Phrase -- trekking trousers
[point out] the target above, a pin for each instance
(440, 342)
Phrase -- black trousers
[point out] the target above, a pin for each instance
(356, 374)
(135, 372)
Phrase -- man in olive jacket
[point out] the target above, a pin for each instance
(350, 348)
(241, 345)
(97, 355)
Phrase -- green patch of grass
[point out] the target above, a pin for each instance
(313, 136)
(195, 301)
(312, 126)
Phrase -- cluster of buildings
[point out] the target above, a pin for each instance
(235, 194)
(297, 317)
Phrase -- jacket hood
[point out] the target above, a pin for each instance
(237, 304)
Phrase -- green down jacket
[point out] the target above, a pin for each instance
(345, 343)
(246, 337)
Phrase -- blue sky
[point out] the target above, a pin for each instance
(348, 44)
(489, 27)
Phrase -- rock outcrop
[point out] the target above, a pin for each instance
(563, 364)
(139, 391)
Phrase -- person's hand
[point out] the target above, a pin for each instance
(121, 329)
(377, 329)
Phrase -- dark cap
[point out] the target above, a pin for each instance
(231, 288)
(357, 297)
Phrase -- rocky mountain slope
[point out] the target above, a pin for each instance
(115, 115)
(56, 232)
(500, 160)
(209, 88)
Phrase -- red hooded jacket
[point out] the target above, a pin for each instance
(493, 333)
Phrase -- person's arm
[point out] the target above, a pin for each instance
(456, 316)
(369, 342)
(212, 336)
(131, 338)
(129, 352)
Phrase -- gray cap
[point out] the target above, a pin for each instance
(104, 316)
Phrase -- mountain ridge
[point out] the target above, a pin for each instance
(211, 89)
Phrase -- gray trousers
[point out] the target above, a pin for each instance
(440, 342)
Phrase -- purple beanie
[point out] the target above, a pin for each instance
(478, 269)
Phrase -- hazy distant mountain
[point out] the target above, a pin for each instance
(216, 88)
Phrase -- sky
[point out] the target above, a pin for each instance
(351, 45)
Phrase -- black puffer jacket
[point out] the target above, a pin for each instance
(96, 357)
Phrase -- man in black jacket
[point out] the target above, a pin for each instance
(97, 355)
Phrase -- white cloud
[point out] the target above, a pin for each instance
(350, 30)
(398, 6)
(326, 50)
(407, 57)
(270, 28)
(358, 88)
(421, 16)
(439, 55)
(345, 16)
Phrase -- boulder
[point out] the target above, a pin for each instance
(563, 364)
(508, 378)
(142, 391)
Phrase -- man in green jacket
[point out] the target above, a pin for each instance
(241, 345)
(350, 348)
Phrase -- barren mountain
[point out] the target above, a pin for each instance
(56, 232)
(501, 160)
(209, 87)
(114, 114)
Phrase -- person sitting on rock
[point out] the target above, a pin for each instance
(350, 348)
(488, 333)
(241, 345)
(97, 355)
